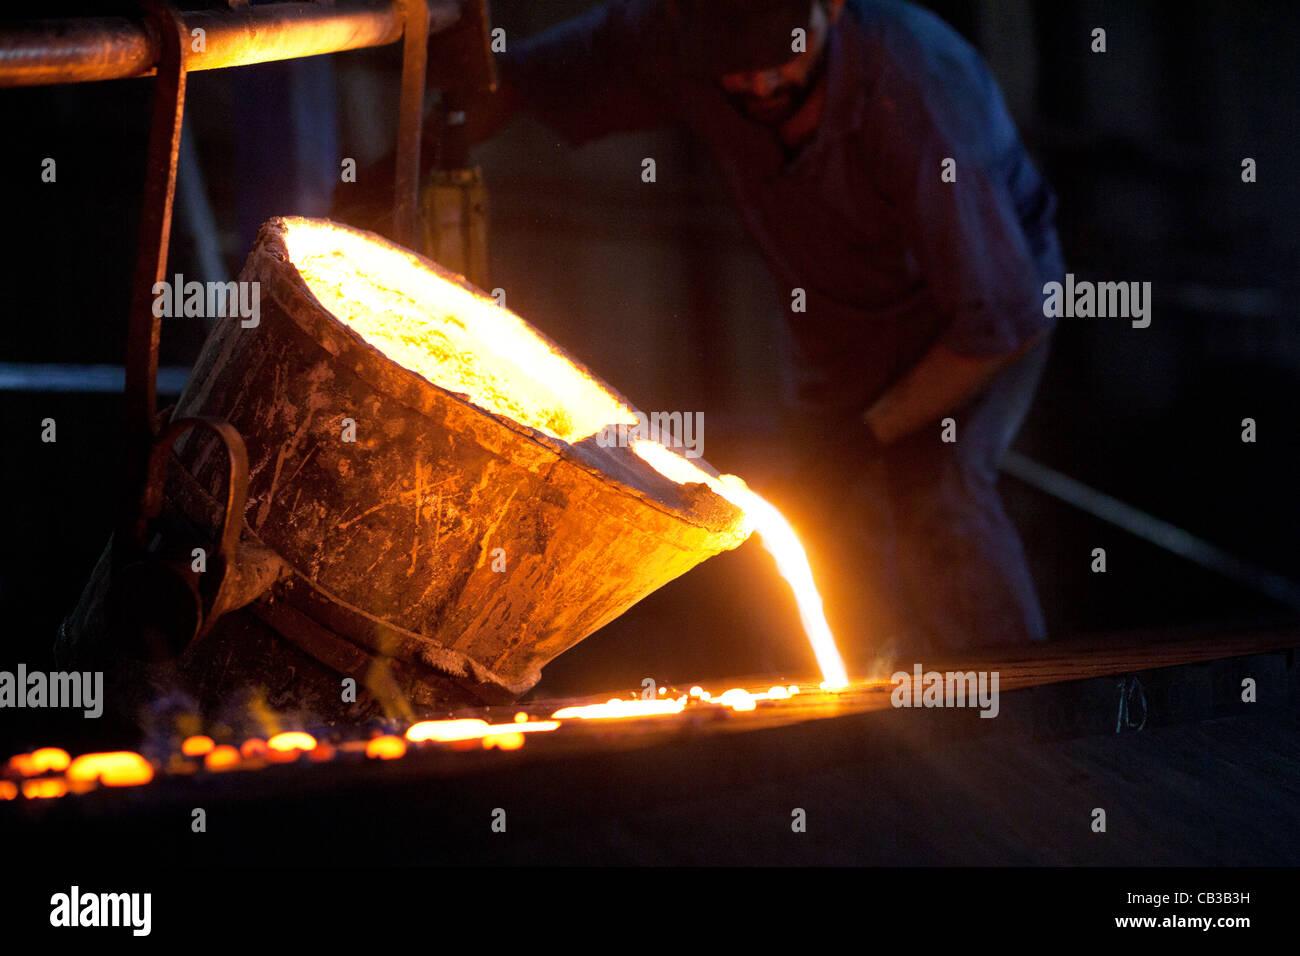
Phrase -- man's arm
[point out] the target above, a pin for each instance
(940, 382)
(963, 230)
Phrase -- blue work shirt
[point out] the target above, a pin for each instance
(891, 258)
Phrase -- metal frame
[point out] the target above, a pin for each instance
(159, 43)
(144, 329)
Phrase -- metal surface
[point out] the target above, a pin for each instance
(1186, 679)
(460, 57)
(410, 122)
(453, 205)
(454, 217)
(887, 788)
(461, 67)
(43, 52)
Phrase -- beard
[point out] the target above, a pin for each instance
(772, 110)
(783, 102)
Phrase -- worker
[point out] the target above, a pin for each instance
(872, 159)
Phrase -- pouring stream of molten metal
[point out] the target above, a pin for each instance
(778, 538)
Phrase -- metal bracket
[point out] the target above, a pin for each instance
(144, 329)
(158, 603)
(236, 483)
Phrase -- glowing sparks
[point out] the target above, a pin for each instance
(527, 726)
(40, 761)
(449, 731)
(221, 758)
(197, 746)
(738, 699)
(443, 731)
(387, 747)
(50, 773)
(617, 708)
(125, 768)
(121, 768)
(321, 753)
(456, 338)
(778, 538)
(46, 788)
(291, 741)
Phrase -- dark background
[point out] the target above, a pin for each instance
(658, 289)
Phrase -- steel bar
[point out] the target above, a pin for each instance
(406, 198)
(85, 379)
(77, 50)
(1150, 528)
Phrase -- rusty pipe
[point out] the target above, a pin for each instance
(85, 49)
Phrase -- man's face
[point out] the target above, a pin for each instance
(773, 95)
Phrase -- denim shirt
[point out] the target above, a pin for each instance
(891, 258)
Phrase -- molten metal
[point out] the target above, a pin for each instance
(117, 769)
(221, 758)
(616, 708)
(387, 747)
(197, 745)
(779, 539)
(446, 731)
(450, 335)
(290, 743)
(40, 761)
(49, 773)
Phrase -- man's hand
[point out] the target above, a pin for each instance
(942, 381)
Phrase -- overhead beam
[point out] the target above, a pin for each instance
(88, 49)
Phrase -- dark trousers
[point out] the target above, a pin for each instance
(915, 550)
